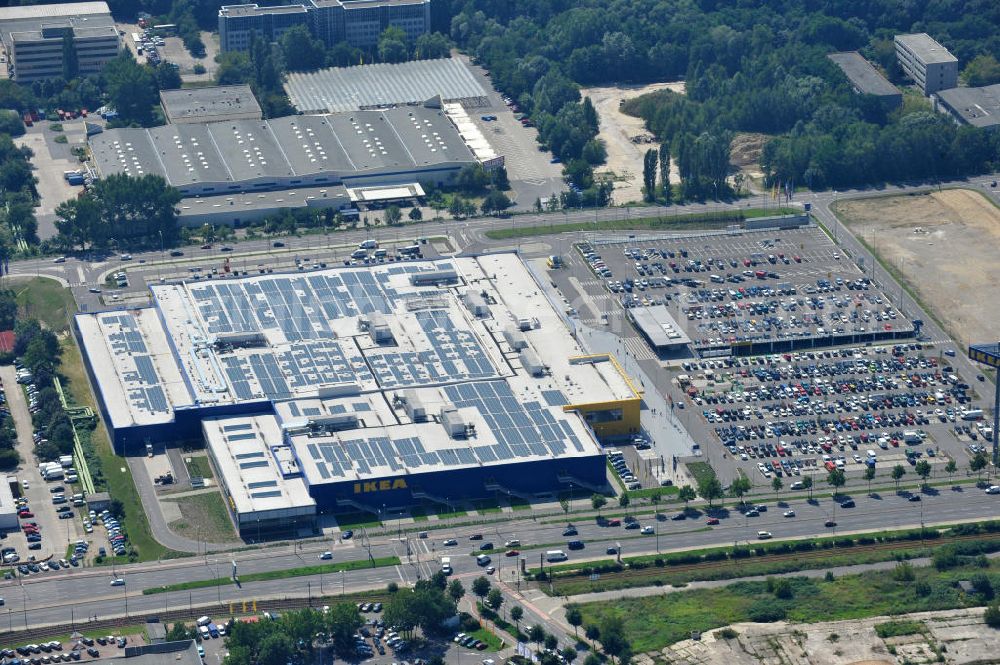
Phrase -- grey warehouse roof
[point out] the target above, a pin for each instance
(42, 12)
(659, 326)
(926, 48)
(368, 86)
(209, 104)
(979, 107)
(862, 74)
(245, 151)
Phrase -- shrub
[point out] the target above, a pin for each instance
(903, 572)
(726, 633)
(766, 611)
(992, 616)
(199, 68)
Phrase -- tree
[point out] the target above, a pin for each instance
(664, 159)
(569, 654)
(274, 649)
(536, 634)
(951, 467)
(516, 614)
(649, 175)
(897, 474)
(574, 617)
(457, 207)
(623, 500)
(481, 586)
(923, 469)
(494, 599)
(836, 479)
(740, 487)
(136, 212)
(613, 636)
(392, 45)
(300, 51)
(709, 488)
(495, 203)
(686, 494)
(991, 616)
(807, 483)
(456, 590)
(415, 214)
(981, 71)
(393, 215)
(341, 623)
(564, 504)
(71, 63)
(131, 89)
(979, 462)
(598, 501)
(431, 45)
(869, 476)
(592, 633)
(551, 642)
(167, 76)
(776, 485)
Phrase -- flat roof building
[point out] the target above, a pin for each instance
(866, 80)
(931, 66)
(979, 107)
(181, 652)
(659, 328)
(33, 39)
(385, 84)
(357, 22)
(362, 386)
(8, 511)
(212, 104)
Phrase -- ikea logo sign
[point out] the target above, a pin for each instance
(368, 487)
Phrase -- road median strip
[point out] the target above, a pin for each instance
(304, 571)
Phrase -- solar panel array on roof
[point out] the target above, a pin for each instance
(143, 383)
(367, 86)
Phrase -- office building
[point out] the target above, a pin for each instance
(237, 23)
(363, 387)
(33, 38)
(978, 107)
(931, 66)
(866, 80)
(358, 22)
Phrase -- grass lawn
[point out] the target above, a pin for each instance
(114, 471)
(45, 300)
(680, 220)
(654, 622)
(446, 514)
(199, 466)
(701, 471)
(493, 642)
(205, 517)
(277, 574)
(418, 514)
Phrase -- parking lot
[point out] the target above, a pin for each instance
(756, 292)
(49, 162)
(802, 414)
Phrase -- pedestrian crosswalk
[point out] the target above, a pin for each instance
(638, 348)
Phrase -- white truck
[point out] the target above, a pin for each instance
(446, 565)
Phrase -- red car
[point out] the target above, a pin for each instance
(712, 520)
(614, 522)
(25, 513)
(512, 553)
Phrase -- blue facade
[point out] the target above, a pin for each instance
(529, 477)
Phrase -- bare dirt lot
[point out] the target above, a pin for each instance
(945, 245)
(618, 130)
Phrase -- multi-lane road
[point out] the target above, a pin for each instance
(58, 597)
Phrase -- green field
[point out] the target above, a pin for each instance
(304, 571)
(687, 221)
(45, 300)
(654, 622)
(199, 466)
(494, 643)
(701, 471)
(204, 518)
(357, 521)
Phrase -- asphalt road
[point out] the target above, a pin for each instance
(58, 597)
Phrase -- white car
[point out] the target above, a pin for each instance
(118, 581)
(789, 513)
(764, 535)
(646, 530)
(326, 555)
(993, 489)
